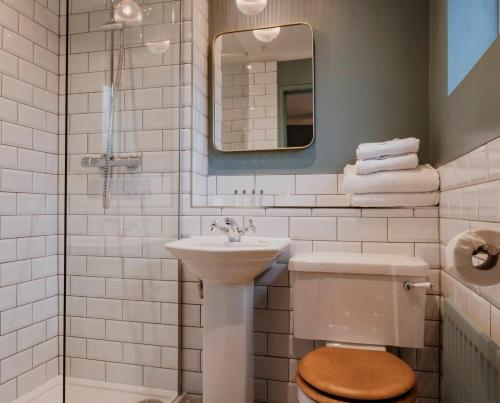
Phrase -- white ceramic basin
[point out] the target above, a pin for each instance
(217, 261)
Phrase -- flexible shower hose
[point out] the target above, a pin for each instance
(107, 190)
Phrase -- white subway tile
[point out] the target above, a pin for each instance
(362, 229)
(162, 291)
(87, 286)
(316, 184)
(44, 309)
(313, 228)
(88, 328)
(406, 249)
(139, 311)
(89, 369)
(142, 354)
(124, 288)
(16, 318)
(413, 230)
(124, 331)
(104, 308)
(17, 90)
(15, 365)
(31, 335)
(104, 350)
(30, 291)
(275, 184)
(17, 45)
(124, 373)
(15, 226)
(14, 272)
(17, 181)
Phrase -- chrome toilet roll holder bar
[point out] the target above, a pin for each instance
(491, 260)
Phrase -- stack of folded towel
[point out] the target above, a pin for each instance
(388, 175)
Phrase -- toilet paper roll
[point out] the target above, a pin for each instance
(460, 250)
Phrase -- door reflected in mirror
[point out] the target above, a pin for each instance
(263, 89)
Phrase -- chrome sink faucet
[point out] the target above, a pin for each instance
(232, 229)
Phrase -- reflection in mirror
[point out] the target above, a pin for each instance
(263, 89)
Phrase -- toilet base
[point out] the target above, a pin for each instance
(303, 398)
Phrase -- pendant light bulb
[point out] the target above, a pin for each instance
(266, 35)
(251, 7)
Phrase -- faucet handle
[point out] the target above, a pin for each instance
(251, 225)
(214, 225)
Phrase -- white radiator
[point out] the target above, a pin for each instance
(471, 361)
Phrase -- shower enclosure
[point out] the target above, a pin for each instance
(121, 188)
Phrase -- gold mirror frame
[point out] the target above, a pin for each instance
(212, 85)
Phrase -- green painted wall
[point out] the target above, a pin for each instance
(372, 64)
(470, 116)
(295, 71)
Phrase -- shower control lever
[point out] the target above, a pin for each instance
(232, 229)
(132, 161)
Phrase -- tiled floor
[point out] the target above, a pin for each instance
(86, 391)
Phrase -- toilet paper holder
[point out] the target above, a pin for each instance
(491, 260)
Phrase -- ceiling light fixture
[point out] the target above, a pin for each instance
(251, 7)
(266, 34)
(127, 12)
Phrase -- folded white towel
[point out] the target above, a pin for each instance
(424, 178)
(369, 151)
(425, 199)
(408, 161)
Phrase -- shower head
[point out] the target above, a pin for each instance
(127, 12)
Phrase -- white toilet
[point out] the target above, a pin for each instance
(359, 304)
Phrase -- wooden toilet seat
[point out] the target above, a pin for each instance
(331, 375)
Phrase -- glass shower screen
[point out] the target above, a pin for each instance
(121, 310)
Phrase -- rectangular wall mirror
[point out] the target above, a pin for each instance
(263, 89)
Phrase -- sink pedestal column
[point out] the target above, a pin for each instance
(228, 343)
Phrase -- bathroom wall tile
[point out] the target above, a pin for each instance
(332, 246)
(495, 324)
(480, 312)
(362, 229)
(413, 230)
(282, 392)
(275, 184)
(332, 200)
(124, 373)
(316, 184)
(312, 228)
(387, 212)
(428, 359)
(88, 369)
(469, 203)
(478, 165)
(390, 248)
(283, 345)
(104, 350)
(488, 206)
(270, 226)
(16, 365)
(428, 252)
(271, 368)
(271, 321)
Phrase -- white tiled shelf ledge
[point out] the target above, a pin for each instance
(315, 190)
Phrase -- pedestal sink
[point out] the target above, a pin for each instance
(227, 270)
